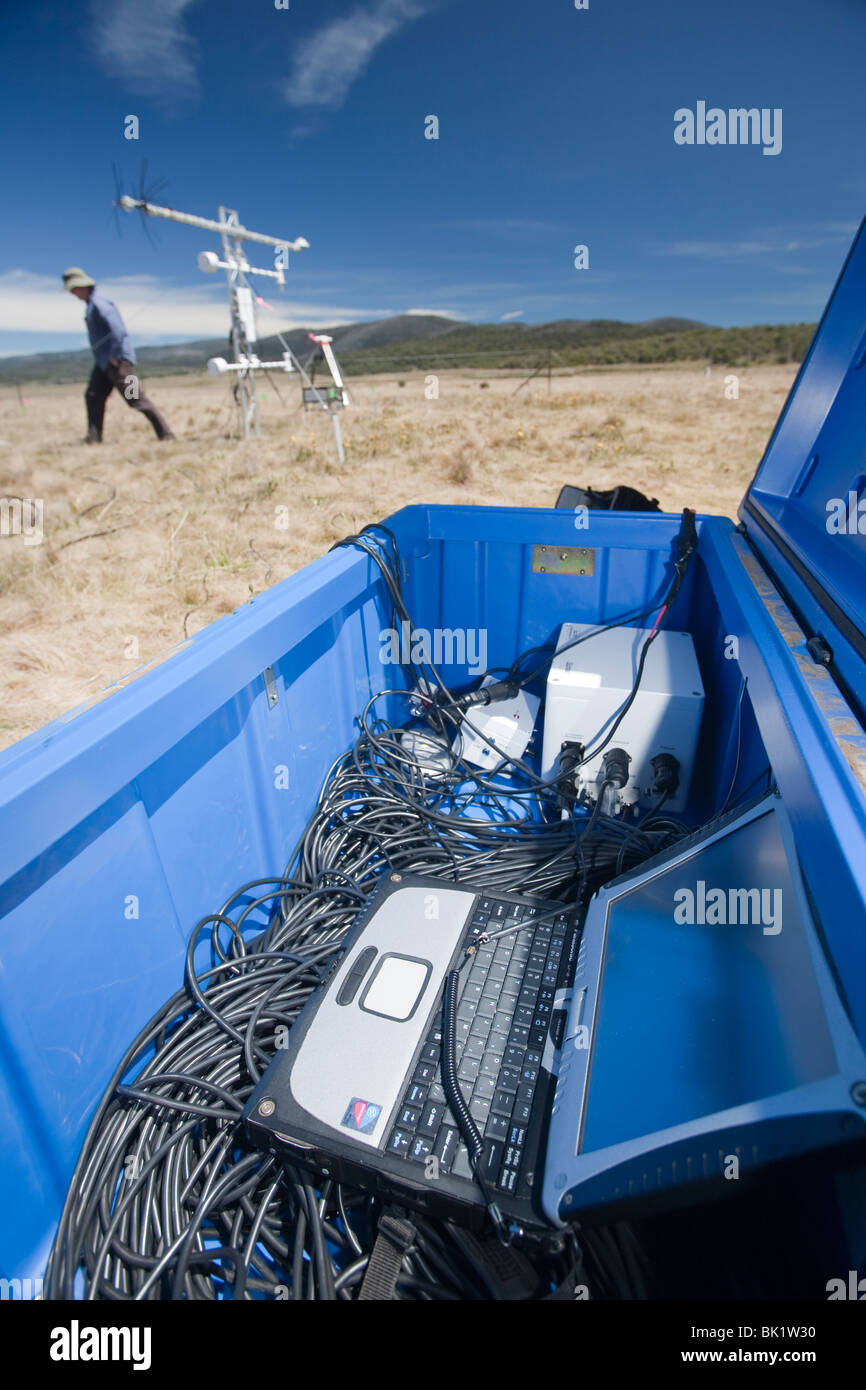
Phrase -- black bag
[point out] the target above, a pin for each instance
(616, 499)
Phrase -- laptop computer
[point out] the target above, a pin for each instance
(655, 1044)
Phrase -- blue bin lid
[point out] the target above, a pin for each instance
(807, 500)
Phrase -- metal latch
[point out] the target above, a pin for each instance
(271, 686)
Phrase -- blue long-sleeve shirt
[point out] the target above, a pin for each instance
(106, 330)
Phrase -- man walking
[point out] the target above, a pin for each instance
(114, 366)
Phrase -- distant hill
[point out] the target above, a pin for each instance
(407, 342)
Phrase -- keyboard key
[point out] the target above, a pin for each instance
(479, 1109)
(522, 1112)
(462, 1168)
(468, 1069)
(490, 1066)
(502, 1104)
(519, 1036)
(425, 1072)
(525, 1091)
(509, 1080)
(474, 1047)
(430, 1053)
(416, 1094)
(491, 1160)
(420, 1149)
(445, 1147)
(487, 1006)
(501, 1024)
(514, 1056)
(409, 1117)
(497, 972)
(466, 1010)
(528, 1073)
(517, 1136)
(511, 986)
(527, 997)
(496, 1127)
(507, 1180)
(512, 1156)
(399, 1142)
(431, 1119)
(524, 1015)
(532, 1058)
(485, 1086)
(436, 1093)
(537, 1037)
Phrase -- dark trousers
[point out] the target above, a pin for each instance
(100, 387)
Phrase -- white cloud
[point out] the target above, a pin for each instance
(152, 309)
(438, 313)
(147, 45)
(768, 244)
(327, 63)
(515, 314)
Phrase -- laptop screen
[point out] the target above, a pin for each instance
(708, 996)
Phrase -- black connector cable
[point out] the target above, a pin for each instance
(167, 1200)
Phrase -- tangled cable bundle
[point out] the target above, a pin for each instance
(168, 1200)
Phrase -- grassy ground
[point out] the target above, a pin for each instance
(145, 543)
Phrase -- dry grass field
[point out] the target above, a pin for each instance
(145, 543)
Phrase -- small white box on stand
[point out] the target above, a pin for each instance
(506, 723)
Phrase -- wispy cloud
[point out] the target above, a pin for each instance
(765, 244)
(326, 65)
(515, 314)
(147, 47)
(437, 313)
(153, 309)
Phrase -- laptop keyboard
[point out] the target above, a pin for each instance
(505, 1002)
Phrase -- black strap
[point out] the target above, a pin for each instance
(394, 1237)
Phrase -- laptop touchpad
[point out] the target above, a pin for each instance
(396, 987)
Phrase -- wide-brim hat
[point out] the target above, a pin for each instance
(76, 279)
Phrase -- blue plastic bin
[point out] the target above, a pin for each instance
(122, 826)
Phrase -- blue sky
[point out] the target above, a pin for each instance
(556, 128)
